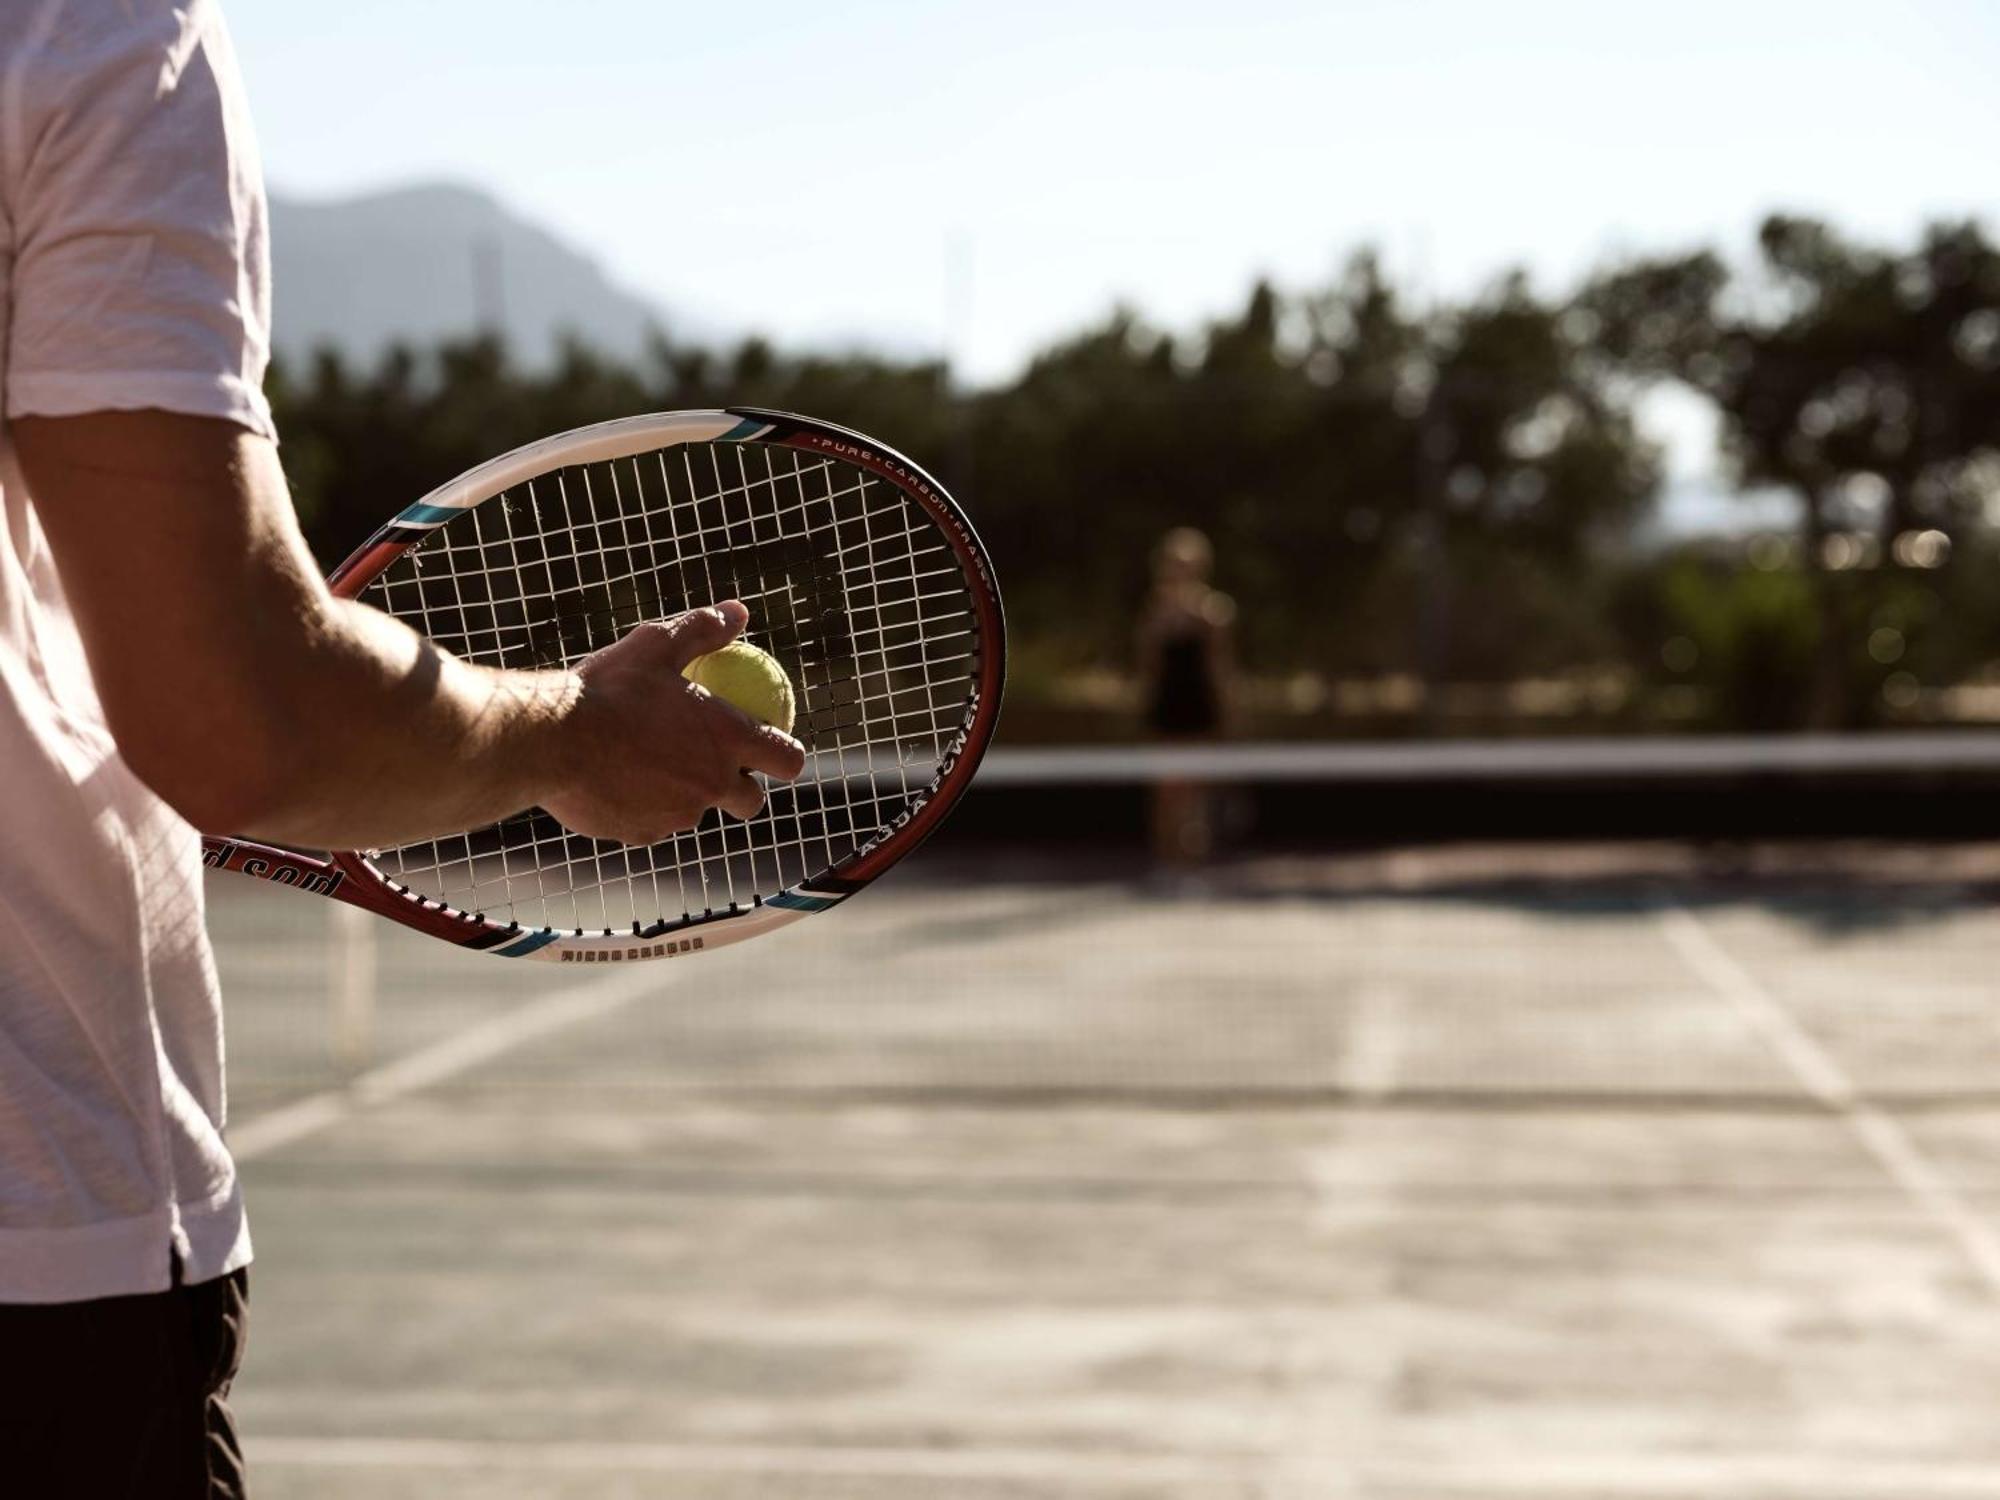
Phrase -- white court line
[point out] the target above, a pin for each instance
(455, 1054)
(1824, 1079)
(1081, 1467)
(1651, 1474)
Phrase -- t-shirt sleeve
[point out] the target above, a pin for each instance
(141, 265)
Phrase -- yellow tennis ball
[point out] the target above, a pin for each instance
(750, 679)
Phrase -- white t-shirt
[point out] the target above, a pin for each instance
(133, 274)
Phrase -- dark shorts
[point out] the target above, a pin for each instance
(123, 1398)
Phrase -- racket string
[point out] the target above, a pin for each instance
(851, 587)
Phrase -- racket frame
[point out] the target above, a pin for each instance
(350, 876)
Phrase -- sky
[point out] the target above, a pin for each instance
(977, 179)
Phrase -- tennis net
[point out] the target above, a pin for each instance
(1508, 925)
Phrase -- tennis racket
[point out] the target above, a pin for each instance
(863, 578)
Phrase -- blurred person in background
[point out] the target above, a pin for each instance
(1187, 677)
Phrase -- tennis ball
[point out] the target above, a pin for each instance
(750, 679)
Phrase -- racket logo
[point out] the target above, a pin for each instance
(946, 764)
(859, 453)
(620, 955)
(279, 871)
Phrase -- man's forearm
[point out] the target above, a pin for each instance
(385, 738)
(234, 683)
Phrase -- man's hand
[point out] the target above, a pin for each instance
(648, 752)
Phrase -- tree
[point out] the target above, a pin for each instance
(1353, 457)
(1865, 381)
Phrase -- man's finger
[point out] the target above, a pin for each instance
(744, 798)
(772, 751)
(701, 631)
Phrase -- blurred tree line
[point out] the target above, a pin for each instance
(1440, 494)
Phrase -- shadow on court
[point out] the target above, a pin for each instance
(1009, 1188)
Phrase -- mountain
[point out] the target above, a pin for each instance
(426, 262)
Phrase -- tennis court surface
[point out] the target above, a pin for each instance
(1592, 1170)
